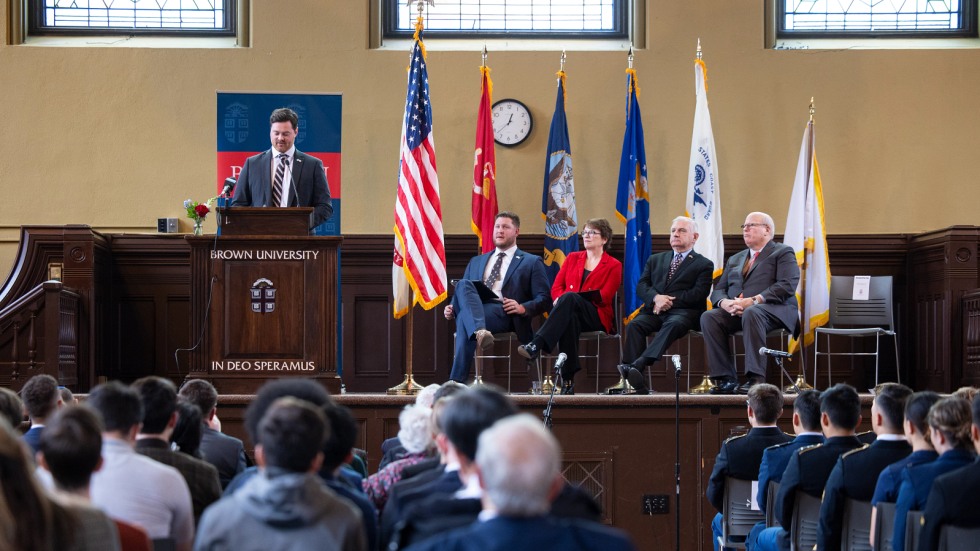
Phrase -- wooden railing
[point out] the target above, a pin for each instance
(39, 334)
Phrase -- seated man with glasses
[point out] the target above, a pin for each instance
(755, 294)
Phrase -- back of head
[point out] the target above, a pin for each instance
(40, 395)
(119, 405)
(159, 397)
(201, 393)
(519, 461)
(807, 406)
(72, 446)
(413, 428)
(189, 429)
(447, 390)
(890, 399)
(842, 405)
(766, 402)
(11, 407)
(66, 396)
(292, 433)
(968, 393)
(469, 413)
(427, 395)
(304, 389)
(917, 409)
(952, 417)
(343, 434)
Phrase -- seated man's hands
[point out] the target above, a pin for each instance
(662, 303)
(513, 308)
(449, 313)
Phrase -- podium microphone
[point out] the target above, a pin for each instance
(774, 353)
(676, 358)
(560, 361)
(229, 186)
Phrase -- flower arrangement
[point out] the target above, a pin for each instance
(198, 212)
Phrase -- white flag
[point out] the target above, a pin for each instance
(703, 194)
(806, 232)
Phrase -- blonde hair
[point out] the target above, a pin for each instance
(952, 417)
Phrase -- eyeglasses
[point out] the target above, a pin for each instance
(590, 233)
(753, 225)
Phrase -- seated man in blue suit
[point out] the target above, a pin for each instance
(41, 399)
(517, 278)
(519, 466)
(806, 426)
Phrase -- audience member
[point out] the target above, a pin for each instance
(129, 486)
(337, 453)
(189, 430)
(968, 393)
(950, 431)
(857, 471)
(285, 506)
(806, 426)
(518, 464)
(416, 439)
(66, 396)
(41, 399)
(391, 448)
(953, 498)
(916, 430)
(71, 450)
(740, 456)
(159, 397)
(225, 452)
(809, 468)
(29, 520)
(11, 407)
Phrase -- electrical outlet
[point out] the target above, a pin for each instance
(655, 504)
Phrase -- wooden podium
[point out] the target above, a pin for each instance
(263, 300)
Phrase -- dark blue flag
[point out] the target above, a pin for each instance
(558, 197)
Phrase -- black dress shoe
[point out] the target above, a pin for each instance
(623, 370)
(529, 350)
(637, 381)
(724, 385)
(568, 388)
(751, 382)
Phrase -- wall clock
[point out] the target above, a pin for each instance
(512, 122)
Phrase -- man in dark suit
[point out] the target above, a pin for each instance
(755, 294)
(856, 472)
(41, 400)
(809, 468)
(674, 288)
(741, 455)
(159, 397)
(226, 453)
(518, 461)
(517, 277)
(284, 176)
(953, 498)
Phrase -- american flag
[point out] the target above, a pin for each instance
(419, 266)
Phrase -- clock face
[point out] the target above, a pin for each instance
(511, 122)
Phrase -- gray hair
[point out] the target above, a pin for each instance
(414, 432)
(519, 460)
(427, 395)
(692, 222)
(767, 219)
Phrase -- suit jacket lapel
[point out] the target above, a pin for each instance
(688, 260)
(763, 254)
(294, 175)
(514, 263)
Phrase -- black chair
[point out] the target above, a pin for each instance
(884, 525)
(856, 530)
(913, 526)
(955, 538)
(738, 516)
(806, 515)
(771, 504)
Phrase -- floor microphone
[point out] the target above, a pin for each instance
(775, 353)
(676, 358)
(560, 361)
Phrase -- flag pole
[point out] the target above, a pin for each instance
(800, 384)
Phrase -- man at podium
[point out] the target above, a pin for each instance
(284, 176)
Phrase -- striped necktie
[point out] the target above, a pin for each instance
(277, 183)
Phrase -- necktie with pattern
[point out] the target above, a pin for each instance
(673, 266)
(495, 271)
(277, 183)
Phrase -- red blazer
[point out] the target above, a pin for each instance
(606, 278)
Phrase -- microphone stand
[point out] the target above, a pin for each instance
(677, 452)
(792, 383)
(551, 399)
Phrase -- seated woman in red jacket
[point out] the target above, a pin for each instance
(582, 271)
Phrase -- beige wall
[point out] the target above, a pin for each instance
(116, 137)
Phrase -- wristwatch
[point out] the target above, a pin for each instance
(756, 300)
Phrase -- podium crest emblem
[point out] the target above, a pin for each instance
(263, 296)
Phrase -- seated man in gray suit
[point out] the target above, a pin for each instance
(226, 453)
(284, 176)
(517, 278)
(755, 294)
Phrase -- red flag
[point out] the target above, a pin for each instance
(484, 169)
(419, 260)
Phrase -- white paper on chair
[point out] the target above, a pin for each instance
(753, 504)
(862, 286)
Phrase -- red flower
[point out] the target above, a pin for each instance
(202, 210)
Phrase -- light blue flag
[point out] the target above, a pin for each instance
(633, 199)
(558, 197)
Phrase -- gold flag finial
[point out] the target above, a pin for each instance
(562, 66)
(629, 57)
(699, 48)
(811, 109)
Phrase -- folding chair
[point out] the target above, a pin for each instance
(738, 517)
(806, 514)
(884, 525)
(956, 538)
(856, 530)
(490, 354)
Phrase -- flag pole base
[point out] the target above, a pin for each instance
(703, 388)
(477, 381)
(408, 387)
(622, 387)
(547, 385)
(800, 384)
